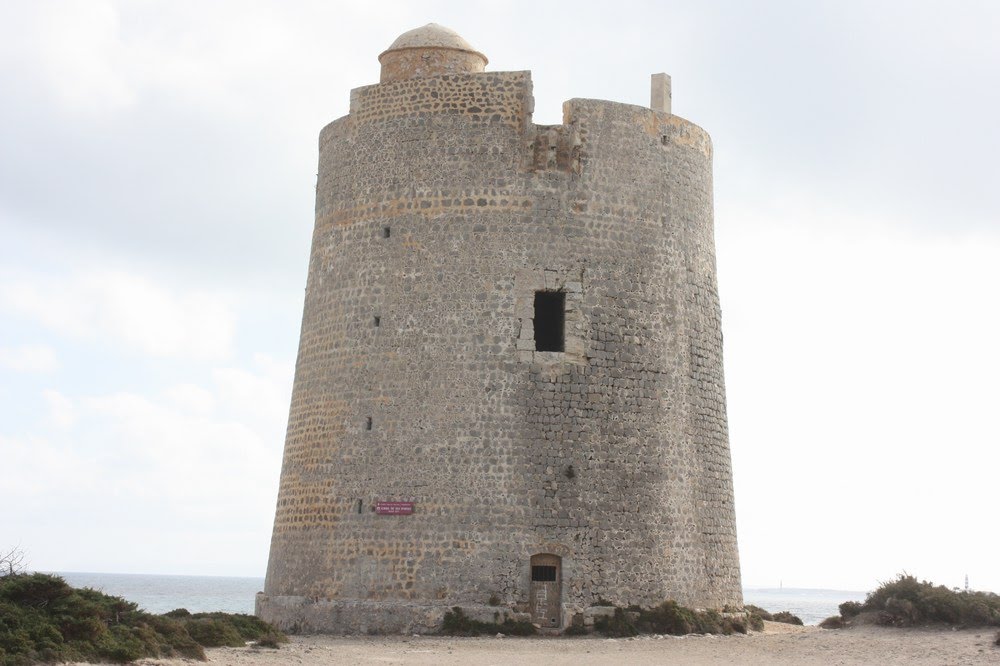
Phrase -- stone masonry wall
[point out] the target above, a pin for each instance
(441, 208)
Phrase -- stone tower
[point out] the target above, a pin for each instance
(509, 393)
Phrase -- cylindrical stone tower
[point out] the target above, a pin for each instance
(509, 393)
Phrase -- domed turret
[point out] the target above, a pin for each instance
(431, 50)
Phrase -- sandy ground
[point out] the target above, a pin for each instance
(778, 644)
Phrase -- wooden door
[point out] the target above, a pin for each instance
(545, 593)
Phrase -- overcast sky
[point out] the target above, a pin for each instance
(157, 172)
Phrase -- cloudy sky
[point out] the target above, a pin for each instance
(157, 171)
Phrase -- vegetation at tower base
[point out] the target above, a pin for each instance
(43, 619)
(671, 618)
(457, 623)
(667, 618)
(785, 617)
(908, 602)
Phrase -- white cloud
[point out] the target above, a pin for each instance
(29, 358)
(62, 411)
(80, 52)
(191, 398)
(188, 460)
(35, 466)
(125, 308)
(259, 396)
(860, 368)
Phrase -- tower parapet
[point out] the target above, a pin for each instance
(512, 331)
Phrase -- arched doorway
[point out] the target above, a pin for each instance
(545, 592)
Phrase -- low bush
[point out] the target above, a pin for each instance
(618, 625)
(758, 615)
(214, 633)
(758, 611)
(907, 602)
(850, 609)
(832, 622)
(787, 618)
(271, 639)
(249, 627)
(43, 619)
(457, 623)
(670, 618)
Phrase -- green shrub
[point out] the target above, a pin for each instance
(42, 619)
(457, 623)
(34, 590)
(832, 622)
(617, 625)
(121, 645)
(672, 618)
(576, 630)
(907, 602)
(736, 625)
(175, 639)
(758, 611)
(782, 616)
(669, 618)
(271, 639)
(850, 609)
(517, 628)
(214, 633)
(787, 618)
(249, 627)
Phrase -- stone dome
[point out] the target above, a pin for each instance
(432, 36)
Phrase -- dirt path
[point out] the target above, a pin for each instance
(779, 644)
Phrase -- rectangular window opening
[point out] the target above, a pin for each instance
(378, 321)
(543, 574)
(385, 232)
(368, 423)
(550, 321)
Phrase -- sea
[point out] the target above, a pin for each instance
(159, 594)
(811, 606)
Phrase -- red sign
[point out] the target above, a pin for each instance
(393, 508)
